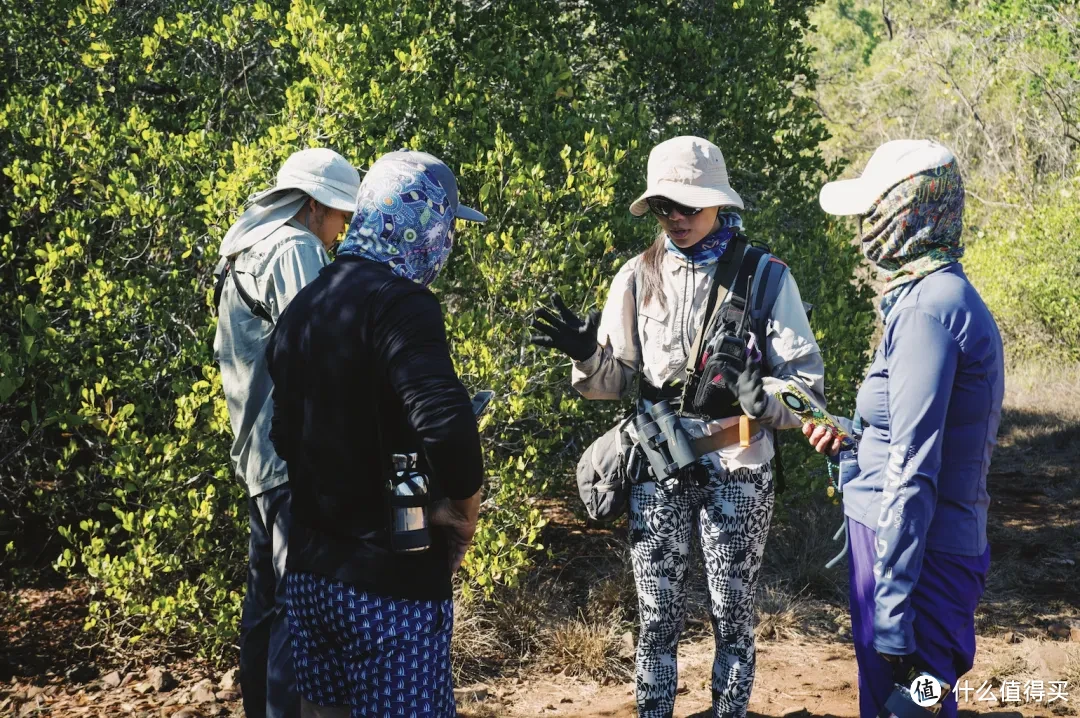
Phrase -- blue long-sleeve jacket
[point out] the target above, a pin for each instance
(931, 405)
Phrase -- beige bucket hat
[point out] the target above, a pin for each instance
(321, 174)
(688, 170)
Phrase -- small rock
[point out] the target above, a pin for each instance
(230, 680)
(627, 648)
(227, 696)
(203, 692)
(476, 694)
(161, 680)
(142, 688)
(1074, 635)
(1059, 630)
(82, 673)
(112, 680)
(567, 700)
(187, 712)
(550, 707)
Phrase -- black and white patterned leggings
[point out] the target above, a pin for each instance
(732, 512)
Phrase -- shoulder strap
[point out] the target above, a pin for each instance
(220, 270)
(724, 275)
(768, 280)
(257, 307)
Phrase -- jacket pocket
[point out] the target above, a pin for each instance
(654, 333)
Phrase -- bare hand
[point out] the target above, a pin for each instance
(458, 529)
(822, 438)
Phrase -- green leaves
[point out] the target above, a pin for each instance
(127, 150)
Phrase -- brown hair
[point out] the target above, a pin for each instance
(651, 279)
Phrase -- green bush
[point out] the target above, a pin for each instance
(128, 144)
(1028, 270)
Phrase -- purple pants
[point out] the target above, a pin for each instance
(944, 602)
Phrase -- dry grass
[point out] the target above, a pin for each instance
(780, 613)
(1034, 521)
(587, 647)
(798, 549)
(1010, 667)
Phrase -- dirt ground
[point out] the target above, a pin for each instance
(560, 645)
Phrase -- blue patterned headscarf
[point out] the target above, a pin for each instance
(403, 219)
(711, 247)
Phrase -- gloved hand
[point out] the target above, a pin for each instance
(567, 333)
(750, 389)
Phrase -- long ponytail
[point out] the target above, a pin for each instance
(652, 263)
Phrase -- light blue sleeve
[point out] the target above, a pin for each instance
(921, 355)
(292, 270)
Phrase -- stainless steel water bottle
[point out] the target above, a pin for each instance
(409, 500)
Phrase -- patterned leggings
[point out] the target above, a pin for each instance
(732, 511)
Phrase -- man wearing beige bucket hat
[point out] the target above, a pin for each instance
(708, 327)
(277, 246)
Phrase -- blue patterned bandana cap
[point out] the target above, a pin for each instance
(915, 229)
(403, 219)
(709, 250)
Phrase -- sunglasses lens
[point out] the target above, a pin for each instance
(660, 206)
(663, 207)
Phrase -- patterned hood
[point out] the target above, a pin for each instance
(403, 219)
(916, 226)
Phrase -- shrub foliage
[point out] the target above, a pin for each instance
(130, 137)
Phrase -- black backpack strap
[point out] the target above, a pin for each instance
(257, 307)
(220, 271)
(755, 290)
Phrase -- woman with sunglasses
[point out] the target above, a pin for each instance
(655, 311)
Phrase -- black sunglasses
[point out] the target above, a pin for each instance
(663, 207)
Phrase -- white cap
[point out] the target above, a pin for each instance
(322, 174)
(891, 164)
(690, 171)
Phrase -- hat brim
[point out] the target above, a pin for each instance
(469, 214)
(847, 197)
(688, 195)
(329, 196)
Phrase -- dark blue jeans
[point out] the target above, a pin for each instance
(267, 679)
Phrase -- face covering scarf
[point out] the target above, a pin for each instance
(915, 229)
(710, 248)
(403, 219)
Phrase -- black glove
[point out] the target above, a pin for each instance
(568, 333)
(747, 385)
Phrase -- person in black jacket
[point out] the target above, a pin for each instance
(362, 371)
